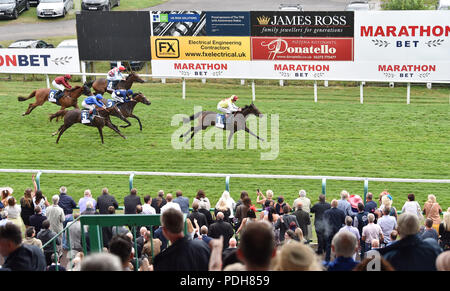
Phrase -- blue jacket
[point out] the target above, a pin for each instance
(412, 254)
(93, 100)
(342, 264)
(183, 202)
(122, 93)
(66, 203)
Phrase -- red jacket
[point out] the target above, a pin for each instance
(62, 81)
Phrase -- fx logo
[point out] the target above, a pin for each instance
(167, 48)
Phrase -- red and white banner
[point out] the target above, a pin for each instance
(201, 69)
(302, 48)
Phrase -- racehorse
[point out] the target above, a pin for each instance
(127, 108)
(74, 116)
(208, 118)
(100, 85)
(69, 99)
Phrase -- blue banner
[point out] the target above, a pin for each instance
(228, 23)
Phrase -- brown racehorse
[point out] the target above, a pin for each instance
(100, 85)
(69, 99)
(208, 118)
(74, 116)
(127, 108)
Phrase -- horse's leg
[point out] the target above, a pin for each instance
(101, 133)
(30, 108)
(196, 129)
(137, 118)
(127, 121)
(250, 132)
(113, 127)
(187, 132)
(61, 131)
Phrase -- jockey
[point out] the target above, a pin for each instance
(122, 95)
(92, 101)
(115, 76)
(60, 83)
(227, 105)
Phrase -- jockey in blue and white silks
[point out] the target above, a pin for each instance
(92, 101)
(122, 95)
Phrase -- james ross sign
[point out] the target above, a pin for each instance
(312, 24)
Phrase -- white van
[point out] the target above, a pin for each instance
(443, 5)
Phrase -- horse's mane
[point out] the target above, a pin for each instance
(73, 88)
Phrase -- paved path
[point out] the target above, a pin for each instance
(68, 28)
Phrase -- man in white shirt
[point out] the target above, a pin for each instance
(371, 231)
(388, 224)
(170, 204)
(147, 207)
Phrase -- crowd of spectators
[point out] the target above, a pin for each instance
(271, 234)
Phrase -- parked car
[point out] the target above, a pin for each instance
(68, 43)
(443, 5)
(53, 8)
(12, 8)
(102, 5)
(131, 66)
(30, 43)
(33, 2)
(358, 6)
(290, 7)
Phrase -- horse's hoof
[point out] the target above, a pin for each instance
(23, 114)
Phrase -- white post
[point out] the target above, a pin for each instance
(48, 81)
(325, 83)
(253, 90)
(408, 93)
(315, 91)
(83, 70)
(242, 82)
(361, 93)
(204, 81)
(281, 83)
(163, 80)
(184, 89)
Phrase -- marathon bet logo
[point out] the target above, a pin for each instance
(167, 48)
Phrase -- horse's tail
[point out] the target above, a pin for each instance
(20, 98)
(192, 117)
(59, 114)
(89, 83)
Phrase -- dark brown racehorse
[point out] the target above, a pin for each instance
(74, 116)
(208, 118)
(127, 108)
(100, 85)
(69, 99)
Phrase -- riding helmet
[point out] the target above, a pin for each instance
(122, 68)
(67, 76)
(130, 92)
(99, 96)
(234, 97)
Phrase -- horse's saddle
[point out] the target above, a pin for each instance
(52, 96)
(220, 120)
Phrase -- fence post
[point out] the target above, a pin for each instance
(184, 88)
(408, 93)
(131, 180)
(253, 90)
(227, 183)
(325, 83)
(315, 91)
(281, 83)
(361, 93)
(83, 70)
(242, 82)
(324, 186)
(366, 189)
(48, 81)
(38, 180)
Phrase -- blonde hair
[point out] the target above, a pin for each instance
(386, 201)
(446, 219)
(222, 205)
(269, 194)
(431, 198)
(296, 256)
(299, 233)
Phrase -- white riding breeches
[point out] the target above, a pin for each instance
(88, 106)
(58, 86)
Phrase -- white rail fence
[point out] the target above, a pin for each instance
(227, 177)
(183, 90)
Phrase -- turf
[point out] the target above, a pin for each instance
(336, 136)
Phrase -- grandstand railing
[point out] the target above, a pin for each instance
(227, 177)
